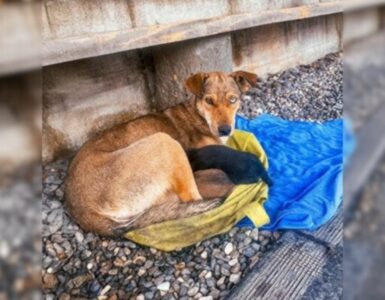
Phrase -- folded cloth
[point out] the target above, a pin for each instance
(306, 164)
(245, 200)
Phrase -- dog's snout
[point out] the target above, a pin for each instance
(224, 130)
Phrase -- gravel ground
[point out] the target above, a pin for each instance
(307, 92)
(83, 265)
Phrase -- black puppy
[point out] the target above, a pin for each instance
(241, 167)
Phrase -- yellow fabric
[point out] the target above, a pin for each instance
(245, 200)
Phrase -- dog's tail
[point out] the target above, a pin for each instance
(172, 209)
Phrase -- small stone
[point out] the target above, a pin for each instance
(206, 298)
(266, 233)
(233, 262)
(159, 280)
(276, 235)
(180, 266)
(193, 291)
(229, 248)
(140, 297)
(130, 244)
(105, 290)
(139, 260)
(247, 241)
(202, 274)
(225, 271)
(236, 268)
(149, 295)
(79, 237)
(148, 264)
(90, 266)
(249, 252)
(254, 234)
(94, 287)
(165, 286)
(234, 278)
(183, 290)
(208, 275)
(215, 293)
(113, 272)
(120, 262)
(64, 296)
(78, 281)
(50, 281)
(210, 282)
(221, 281)
(253, 261)
(256, 247)
(204, 254)
(141, 272)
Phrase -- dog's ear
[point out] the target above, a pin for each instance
(195, 83)
(245, 80)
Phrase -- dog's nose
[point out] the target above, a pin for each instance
(224, 130)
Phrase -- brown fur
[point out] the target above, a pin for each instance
(137, 173)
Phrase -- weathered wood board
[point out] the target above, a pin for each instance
(288, 271)
(66, 18)
(96, 44)
(272, 48)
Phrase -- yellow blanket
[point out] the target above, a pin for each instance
(245, 200)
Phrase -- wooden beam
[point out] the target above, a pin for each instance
(74, 48)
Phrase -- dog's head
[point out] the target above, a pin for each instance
(218, 97)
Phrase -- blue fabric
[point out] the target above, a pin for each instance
(306, 165)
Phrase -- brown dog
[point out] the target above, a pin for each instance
(138, 173)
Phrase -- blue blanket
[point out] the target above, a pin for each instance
(306, 164)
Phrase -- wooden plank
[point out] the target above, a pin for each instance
(270, 49)
(331, 232)
(65, 18)
(285, 272)
(74, 48)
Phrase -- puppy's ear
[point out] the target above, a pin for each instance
(245, 80)
(195, 83)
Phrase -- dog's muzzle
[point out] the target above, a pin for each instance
(224, 130)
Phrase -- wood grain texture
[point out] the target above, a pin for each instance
(285, 272)
(66, 18)
(90, 45)
(273, 48)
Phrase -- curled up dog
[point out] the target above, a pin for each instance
(138, 173)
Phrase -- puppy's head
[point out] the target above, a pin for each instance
(218, 97)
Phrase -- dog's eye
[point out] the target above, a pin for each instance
(209, 100)
(233, 100)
